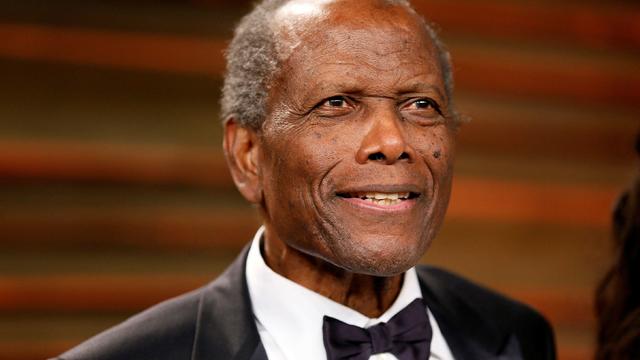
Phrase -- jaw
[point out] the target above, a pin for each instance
(381, 240)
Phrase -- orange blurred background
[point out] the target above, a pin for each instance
(114, 194)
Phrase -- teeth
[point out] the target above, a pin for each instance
(384, 202)
(383, 198)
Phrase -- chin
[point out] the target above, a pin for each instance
(378, 256)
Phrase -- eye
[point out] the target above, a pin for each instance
(424, 104)
(334, 106)
(423, 111)
(336, 101)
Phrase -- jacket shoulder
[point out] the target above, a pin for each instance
(462, 291)
(164, 331)
(491, 309)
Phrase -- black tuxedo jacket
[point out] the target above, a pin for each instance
(216, 322)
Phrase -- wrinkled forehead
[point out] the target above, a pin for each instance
(306, 23)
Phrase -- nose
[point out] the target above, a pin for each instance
(385, 140)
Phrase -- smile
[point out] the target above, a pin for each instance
(386, 200)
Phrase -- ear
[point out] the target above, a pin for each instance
(241, 150)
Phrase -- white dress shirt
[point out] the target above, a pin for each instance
(289, 317)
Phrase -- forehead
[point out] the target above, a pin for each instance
(354, 43)
(305, 24)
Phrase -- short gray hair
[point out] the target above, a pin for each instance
(252, 62)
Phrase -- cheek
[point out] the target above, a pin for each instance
(323, 147)
(448, 153)
(436, 147)
(297, 166)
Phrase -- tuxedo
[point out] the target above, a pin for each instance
(216, 322)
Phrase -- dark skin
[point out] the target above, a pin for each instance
(352, 167)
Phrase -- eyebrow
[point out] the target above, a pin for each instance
(351, 87)
(422, 88)
(355, 88)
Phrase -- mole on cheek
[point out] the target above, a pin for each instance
(436, 154)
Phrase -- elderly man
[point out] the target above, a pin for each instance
(339, 125)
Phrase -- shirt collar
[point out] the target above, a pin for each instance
(293, 315)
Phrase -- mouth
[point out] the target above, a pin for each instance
(381, 199)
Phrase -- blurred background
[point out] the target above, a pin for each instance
(114, 194)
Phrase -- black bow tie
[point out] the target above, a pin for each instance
(407, 335)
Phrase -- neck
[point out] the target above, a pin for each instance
(367, 294)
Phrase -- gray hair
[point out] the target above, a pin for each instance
(252, 62)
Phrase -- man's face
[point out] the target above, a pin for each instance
(355, 156)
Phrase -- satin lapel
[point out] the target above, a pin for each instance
(225, 327)
(260, 353)
(469, 335)
(511, 350)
